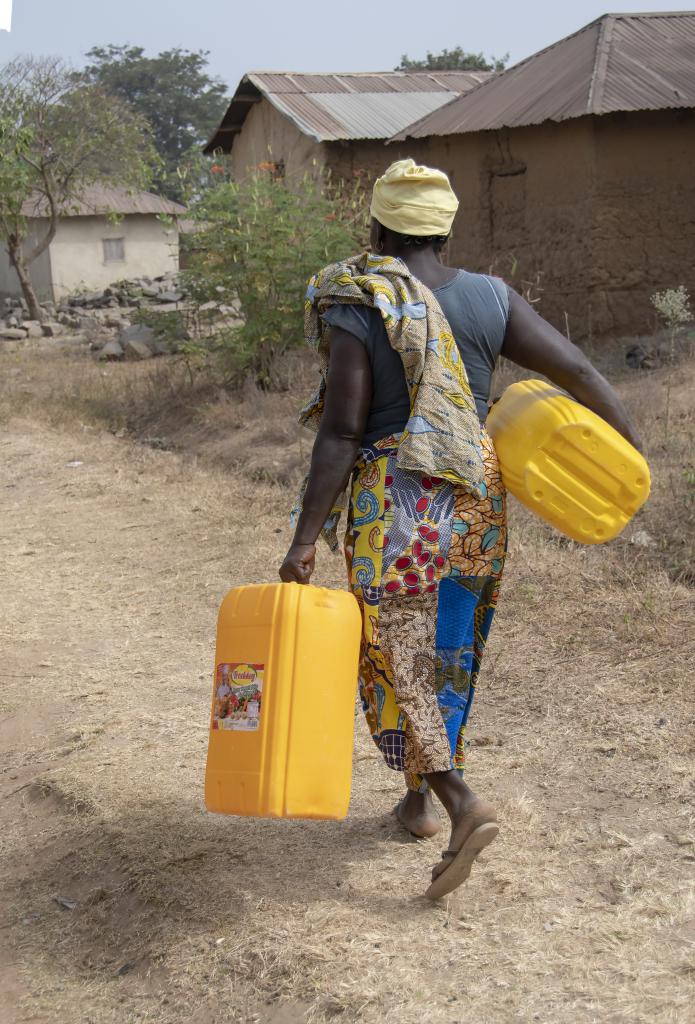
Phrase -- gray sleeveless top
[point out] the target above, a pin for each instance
(477, 308)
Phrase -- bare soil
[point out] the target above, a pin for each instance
(124, 901)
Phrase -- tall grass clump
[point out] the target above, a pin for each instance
(673, 309)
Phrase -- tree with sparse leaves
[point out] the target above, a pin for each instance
(173, 91)
(58, 135)
(258, 240)
(457, 59)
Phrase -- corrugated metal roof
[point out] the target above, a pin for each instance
(382, 115)
(310, 117)
(618, 62)
(96, 200)
(363, 83)
(373, 102)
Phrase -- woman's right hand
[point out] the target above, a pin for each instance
(299, 564)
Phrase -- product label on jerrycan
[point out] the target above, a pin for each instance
(238, 696)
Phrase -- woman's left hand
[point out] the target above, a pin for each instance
(299, 564)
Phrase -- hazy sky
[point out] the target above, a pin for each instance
(298, 35)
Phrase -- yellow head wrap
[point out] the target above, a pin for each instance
(414, 200)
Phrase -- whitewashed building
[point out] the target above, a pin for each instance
(107, 235)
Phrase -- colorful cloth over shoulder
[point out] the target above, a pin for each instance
(442, 436)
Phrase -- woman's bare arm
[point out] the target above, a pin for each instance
(347, 400)
(533, 343)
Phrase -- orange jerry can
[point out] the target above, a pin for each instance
(565, 463)
(283, 702)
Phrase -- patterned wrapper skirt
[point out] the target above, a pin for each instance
(425, 561)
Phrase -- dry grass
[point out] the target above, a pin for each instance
(583, 735)
(166, 404)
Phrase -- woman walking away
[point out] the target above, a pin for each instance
(407, 348)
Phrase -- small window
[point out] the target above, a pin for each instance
(114, 250)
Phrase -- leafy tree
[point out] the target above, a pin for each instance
(173, 92)
(258, 242)
(453, 60)
(58, 135)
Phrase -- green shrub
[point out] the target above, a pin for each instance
(257, 244)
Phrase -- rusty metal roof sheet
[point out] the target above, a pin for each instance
(98, 200)
(350, 105)
(618, 62)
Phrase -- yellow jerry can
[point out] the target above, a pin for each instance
(565, 463)
(283, 702)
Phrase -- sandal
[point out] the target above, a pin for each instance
(461, 860)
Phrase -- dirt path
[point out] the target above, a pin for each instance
(126, 902)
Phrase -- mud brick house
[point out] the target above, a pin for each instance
(337, 122)
(580, 163)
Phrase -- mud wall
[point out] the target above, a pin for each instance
(597, 212)
(367, 158)
(269, 136)
(643, 223)
(525, 211)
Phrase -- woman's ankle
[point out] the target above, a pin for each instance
(457, 798)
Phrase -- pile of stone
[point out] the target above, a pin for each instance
(136, 341)
(16, 325)
(102, 320)
(134, 293)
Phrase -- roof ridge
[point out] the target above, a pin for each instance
(363, 74)
(621, 15)
(601, 56)
(545, 49)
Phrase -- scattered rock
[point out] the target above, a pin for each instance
(137, 332)
(52, 329)
(134, 292)
(97, 314)
(642, 539)
(137, 349)
(68, 320)
(111, 351)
